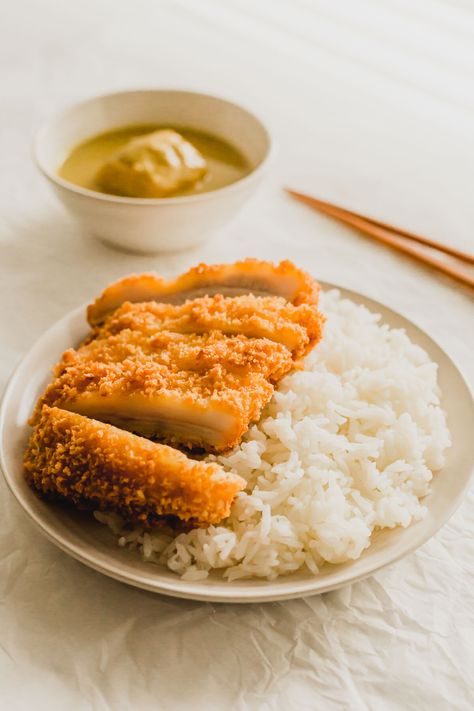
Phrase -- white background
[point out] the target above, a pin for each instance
(372, 104)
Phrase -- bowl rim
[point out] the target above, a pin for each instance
(54, 178)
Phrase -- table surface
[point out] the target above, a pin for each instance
(371, 104)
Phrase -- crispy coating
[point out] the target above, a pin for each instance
(298, 328)
(249, 276)
(94, 465)
(190, 362)
(186, 389)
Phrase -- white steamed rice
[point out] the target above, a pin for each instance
(346, 446)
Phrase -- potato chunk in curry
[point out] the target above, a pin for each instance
(152, 166)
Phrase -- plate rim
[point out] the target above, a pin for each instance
(192, 590)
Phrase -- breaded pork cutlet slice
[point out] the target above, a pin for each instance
(97, 466)
(192, 390)
(249, 276)
(298, 328)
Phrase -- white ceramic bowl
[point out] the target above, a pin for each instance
(162, 224)
(93, 544)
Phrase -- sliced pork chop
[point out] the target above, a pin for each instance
(94, 465)
(298, 328)
(250, 276)
(186, 389)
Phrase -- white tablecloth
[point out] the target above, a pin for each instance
(372, 105)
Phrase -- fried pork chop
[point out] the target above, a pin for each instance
(298, 328)
(250, 276)
(190, 362)
(190, 372)
(194, 390)
(94, 465)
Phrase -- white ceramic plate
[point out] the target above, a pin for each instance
(93, 544)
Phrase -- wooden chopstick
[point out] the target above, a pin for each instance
(393, 237)
(327, 206)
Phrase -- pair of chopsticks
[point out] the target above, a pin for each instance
(396, 238)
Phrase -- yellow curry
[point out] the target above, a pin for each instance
(154, 161)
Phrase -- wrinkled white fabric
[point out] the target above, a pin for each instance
(372, 105)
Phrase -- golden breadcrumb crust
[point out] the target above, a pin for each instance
(191, 361)
(131, 378)
(298, 328)
(95, 465)
(244, 277)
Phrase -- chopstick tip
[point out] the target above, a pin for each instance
(291, 192)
